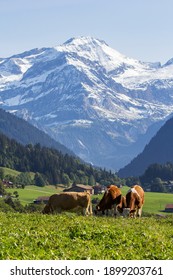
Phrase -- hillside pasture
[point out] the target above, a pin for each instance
(11, 172)
(29, 193)
(154, 202)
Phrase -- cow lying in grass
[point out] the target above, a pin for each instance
(133, 202)
(68, 201)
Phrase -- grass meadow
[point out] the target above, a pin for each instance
(29, 193)
(154, 202)
(68, 236)
(71, 236)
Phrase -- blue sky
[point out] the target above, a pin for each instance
(141, 29)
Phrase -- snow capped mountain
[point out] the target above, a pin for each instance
(99, 103)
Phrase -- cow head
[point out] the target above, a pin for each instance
(112, 196)
(104, 202)
(46, 209)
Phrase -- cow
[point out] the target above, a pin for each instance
(132, 202)
(68, 201)
(110, 200)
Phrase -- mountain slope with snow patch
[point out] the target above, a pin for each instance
(99, 103)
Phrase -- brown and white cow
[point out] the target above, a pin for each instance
(133, 202)
(67, 201)
(110, 200)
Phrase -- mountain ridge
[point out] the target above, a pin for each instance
(94, 100)
(24, 133)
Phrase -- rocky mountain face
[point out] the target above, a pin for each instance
(99, 103)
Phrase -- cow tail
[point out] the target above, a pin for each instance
(90, 207)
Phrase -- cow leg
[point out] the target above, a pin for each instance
(139, 212)
(132, 213)
(117, 211)
(90, 209)
(114, 211)
(132, 209)
(57, 210)
(126, 212)
(85, 211)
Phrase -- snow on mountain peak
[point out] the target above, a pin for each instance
(83, 91)
(99, 52)
(169, 62)
(84, 40)
(93, 49)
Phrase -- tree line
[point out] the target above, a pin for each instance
(157, 177)
(162, 171)
(51, 165)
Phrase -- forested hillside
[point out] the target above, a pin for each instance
(52, 164)
(25, 133)
(159, 150)
(162, 171)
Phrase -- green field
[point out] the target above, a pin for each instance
(154, 202)
(69, 236)
(29, 193)
(11, 172)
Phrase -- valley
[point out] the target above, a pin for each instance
(100, 104)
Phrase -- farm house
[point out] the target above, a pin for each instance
(41, 199)
(169, 208)
(80, 188)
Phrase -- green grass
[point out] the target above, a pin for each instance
(29, 193)
(11, 172)
(15, 173)
(69, 236)
(154, 202)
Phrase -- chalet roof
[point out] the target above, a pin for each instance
(169, 206)
(98, 187)
(40, 198)
(87, 187)
(81, 186)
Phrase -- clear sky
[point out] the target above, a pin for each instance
(141, 29)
